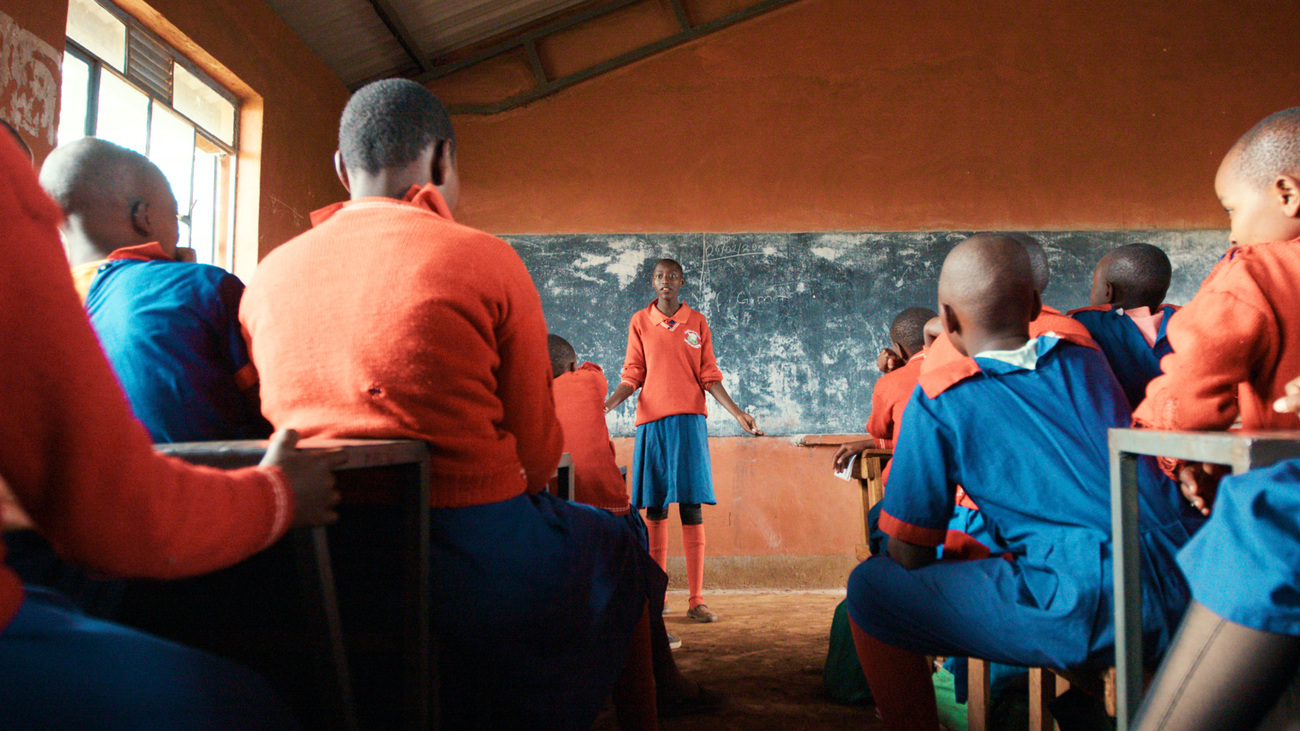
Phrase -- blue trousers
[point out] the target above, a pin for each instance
(61, 669)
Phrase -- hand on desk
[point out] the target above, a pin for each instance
(848, 449)
(1199, 483)
(310, 476)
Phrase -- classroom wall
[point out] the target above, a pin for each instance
(289, 126)
(849, 116)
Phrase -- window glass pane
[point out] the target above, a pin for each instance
(193, 97)
(99, 31)
(171, 147)
(76, 94)
(123, 113)
(203, 223)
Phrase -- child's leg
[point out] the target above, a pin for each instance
(899, 681)
(693, 547)
(657, 533)
(634, 693)
(1218, 674)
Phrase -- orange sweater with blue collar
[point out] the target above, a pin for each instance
(579, 404)
(390, 320)
(670, 358)
(79, 464)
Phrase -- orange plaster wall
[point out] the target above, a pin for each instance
(286, 166)
(846, 115)
(29, 83)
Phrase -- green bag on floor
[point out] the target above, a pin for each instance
(842, 673)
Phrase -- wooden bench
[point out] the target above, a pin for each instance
(869, 471)
(323, 628)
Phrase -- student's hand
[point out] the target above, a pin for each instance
(888, 360)
(749, 424)
(1290, 403)
(310, 476)
(848, 449)
(1199, 483)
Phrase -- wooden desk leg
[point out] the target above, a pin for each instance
(316, 578)
(977, 694)
(421, 653)
(1042, 691)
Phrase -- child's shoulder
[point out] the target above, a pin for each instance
(1263, 264)
(1089, 311)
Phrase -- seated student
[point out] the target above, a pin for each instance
(1239, 644)
(170, 329)
(1125, 315)
(1022, 425)
(1049, 320)
(87, 474)
(436, 333)
(1238, 340)
(580, 393)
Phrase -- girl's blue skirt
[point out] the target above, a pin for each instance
(670, 463)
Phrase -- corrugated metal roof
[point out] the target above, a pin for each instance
(352, 38)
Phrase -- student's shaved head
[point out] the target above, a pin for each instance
(1037, 259)
(908, 328)
(562, 355)
(988, 279)
(17, 137)
(90, 173)
(389, 124)
(1138, 273)
(1271, 148)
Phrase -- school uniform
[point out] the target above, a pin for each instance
(86, 472)
(889, 398)
(1244, 564)
(670, 358)
(1235, 347)
(580, 408)
(1134, 341)
(171, 331)
(1025, 433)
(389, 320)
(941, 352)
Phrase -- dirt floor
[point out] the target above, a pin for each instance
(765, 654)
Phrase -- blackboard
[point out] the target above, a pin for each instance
(797, 318)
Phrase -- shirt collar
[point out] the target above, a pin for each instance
(957, 370)
(426, 198)
(152, 251)
(1023, 358)
(657, 317)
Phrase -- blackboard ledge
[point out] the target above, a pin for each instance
(829, 440)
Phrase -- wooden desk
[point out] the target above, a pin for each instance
(1241, 450)
(315, 571)
(869, 471)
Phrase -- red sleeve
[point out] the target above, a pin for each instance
(75, 458)
(634, 362)
(524, 381)
(709, 372)
(1220, 339)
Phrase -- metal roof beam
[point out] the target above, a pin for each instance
(391, 20)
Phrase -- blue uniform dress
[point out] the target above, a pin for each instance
(1028, 442)
(1244, 564)
(1135, 363)
(171, 332)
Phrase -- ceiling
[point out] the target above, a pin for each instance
(366, 39)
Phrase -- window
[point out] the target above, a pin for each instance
(123, 84)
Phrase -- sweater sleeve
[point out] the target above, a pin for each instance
(881, 422)
(524, 379)
(709, 372)
(634, 361)
(71, 452)
(1220, 340)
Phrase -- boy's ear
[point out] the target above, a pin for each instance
(1110, 295)
(442, 162)
(1037, 309)
(948, 318)
(1287, 190)
(342, 171)
(573, 366)
(140, 220)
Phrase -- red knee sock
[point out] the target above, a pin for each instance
(657, 531)
(899, 681)
(634, 693)
(693, 546)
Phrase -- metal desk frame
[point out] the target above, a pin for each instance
(1241, 450)
(312, 555)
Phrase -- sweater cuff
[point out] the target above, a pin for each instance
(282, 500)
(913, 534)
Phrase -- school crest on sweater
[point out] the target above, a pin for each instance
(692, 338)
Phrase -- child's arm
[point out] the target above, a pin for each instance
(910, 555)
(746, 421)
(848, 449)
(633, 375)
(619, 396)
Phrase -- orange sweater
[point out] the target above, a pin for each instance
(671, 360)
(580, 406)
(1236, 344)
(390, 320)
(78, 462)
(889, 398)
